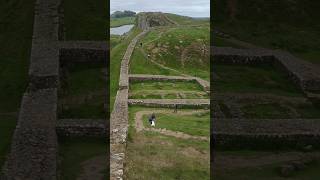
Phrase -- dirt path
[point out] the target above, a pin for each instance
(139, 124)
(94, 168)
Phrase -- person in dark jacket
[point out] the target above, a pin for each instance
(152, 119)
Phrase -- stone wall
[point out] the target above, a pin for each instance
(83, 55)
(82, 128)
(145, 77)
(171, 103)
(34, 147)
(266, 133)
(303, 74)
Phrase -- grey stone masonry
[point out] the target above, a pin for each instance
(34, 144)
(83, 52)
(266, 132)
(33, 153)
(124, 70)
(302, 73)
(118, 134)
(119, 116)
(147, 77)
(195, 103)
(82, 127)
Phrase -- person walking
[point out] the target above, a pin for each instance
(175, 108)
(152, 120)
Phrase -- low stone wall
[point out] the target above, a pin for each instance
(81, 128)
(266, 133)
(171, 103)
(34, 147)
(34, 144)
(265, 141)
(303, 74)
(81, 55)
(146, 77)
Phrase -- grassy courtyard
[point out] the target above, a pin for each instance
(253, 79)
(196, 124)
(78, 155)
(183, 50)
(150, 154)
(84, 92)
(261, 165)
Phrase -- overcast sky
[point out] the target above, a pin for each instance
(192, 8)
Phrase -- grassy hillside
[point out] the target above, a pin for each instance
(116, 22)
(289, 25)
(183, 48)
(15, 40)
(85, 19)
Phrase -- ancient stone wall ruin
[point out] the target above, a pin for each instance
(34, 147)
(237, 131)
(302, 73)
(81, 128)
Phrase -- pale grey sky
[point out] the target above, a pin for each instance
(192, 8)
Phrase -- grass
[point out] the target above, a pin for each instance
(197, 124)
(116, 22)
(7, 126)
(269, 111)
(254, 79)
(152, 155)
(150, 85)
(166, 45)
(218, 41)
(167, 94)
(85, 92)
(15, 37)
(85, 19)
(268, 25)
(140, 64)
(262, 171)
(114, 40)
(184, 20)
(74, 151)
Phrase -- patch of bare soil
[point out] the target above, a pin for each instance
(93, 168)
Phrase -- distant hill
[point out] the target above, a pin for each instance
(121, 14)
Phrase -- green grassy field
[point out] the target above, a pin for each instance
(148, 85)
(152, 155)
(116, 22)
(84, 92)
(7, 125)
(255, 169)
(15, 37)
(184, 20)
(182, 48)
(85, 19)
(167, 94)
(276, 110)
(254, 79)
(74, 152)
(197, 124)
(274, 24)
(166, 90)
